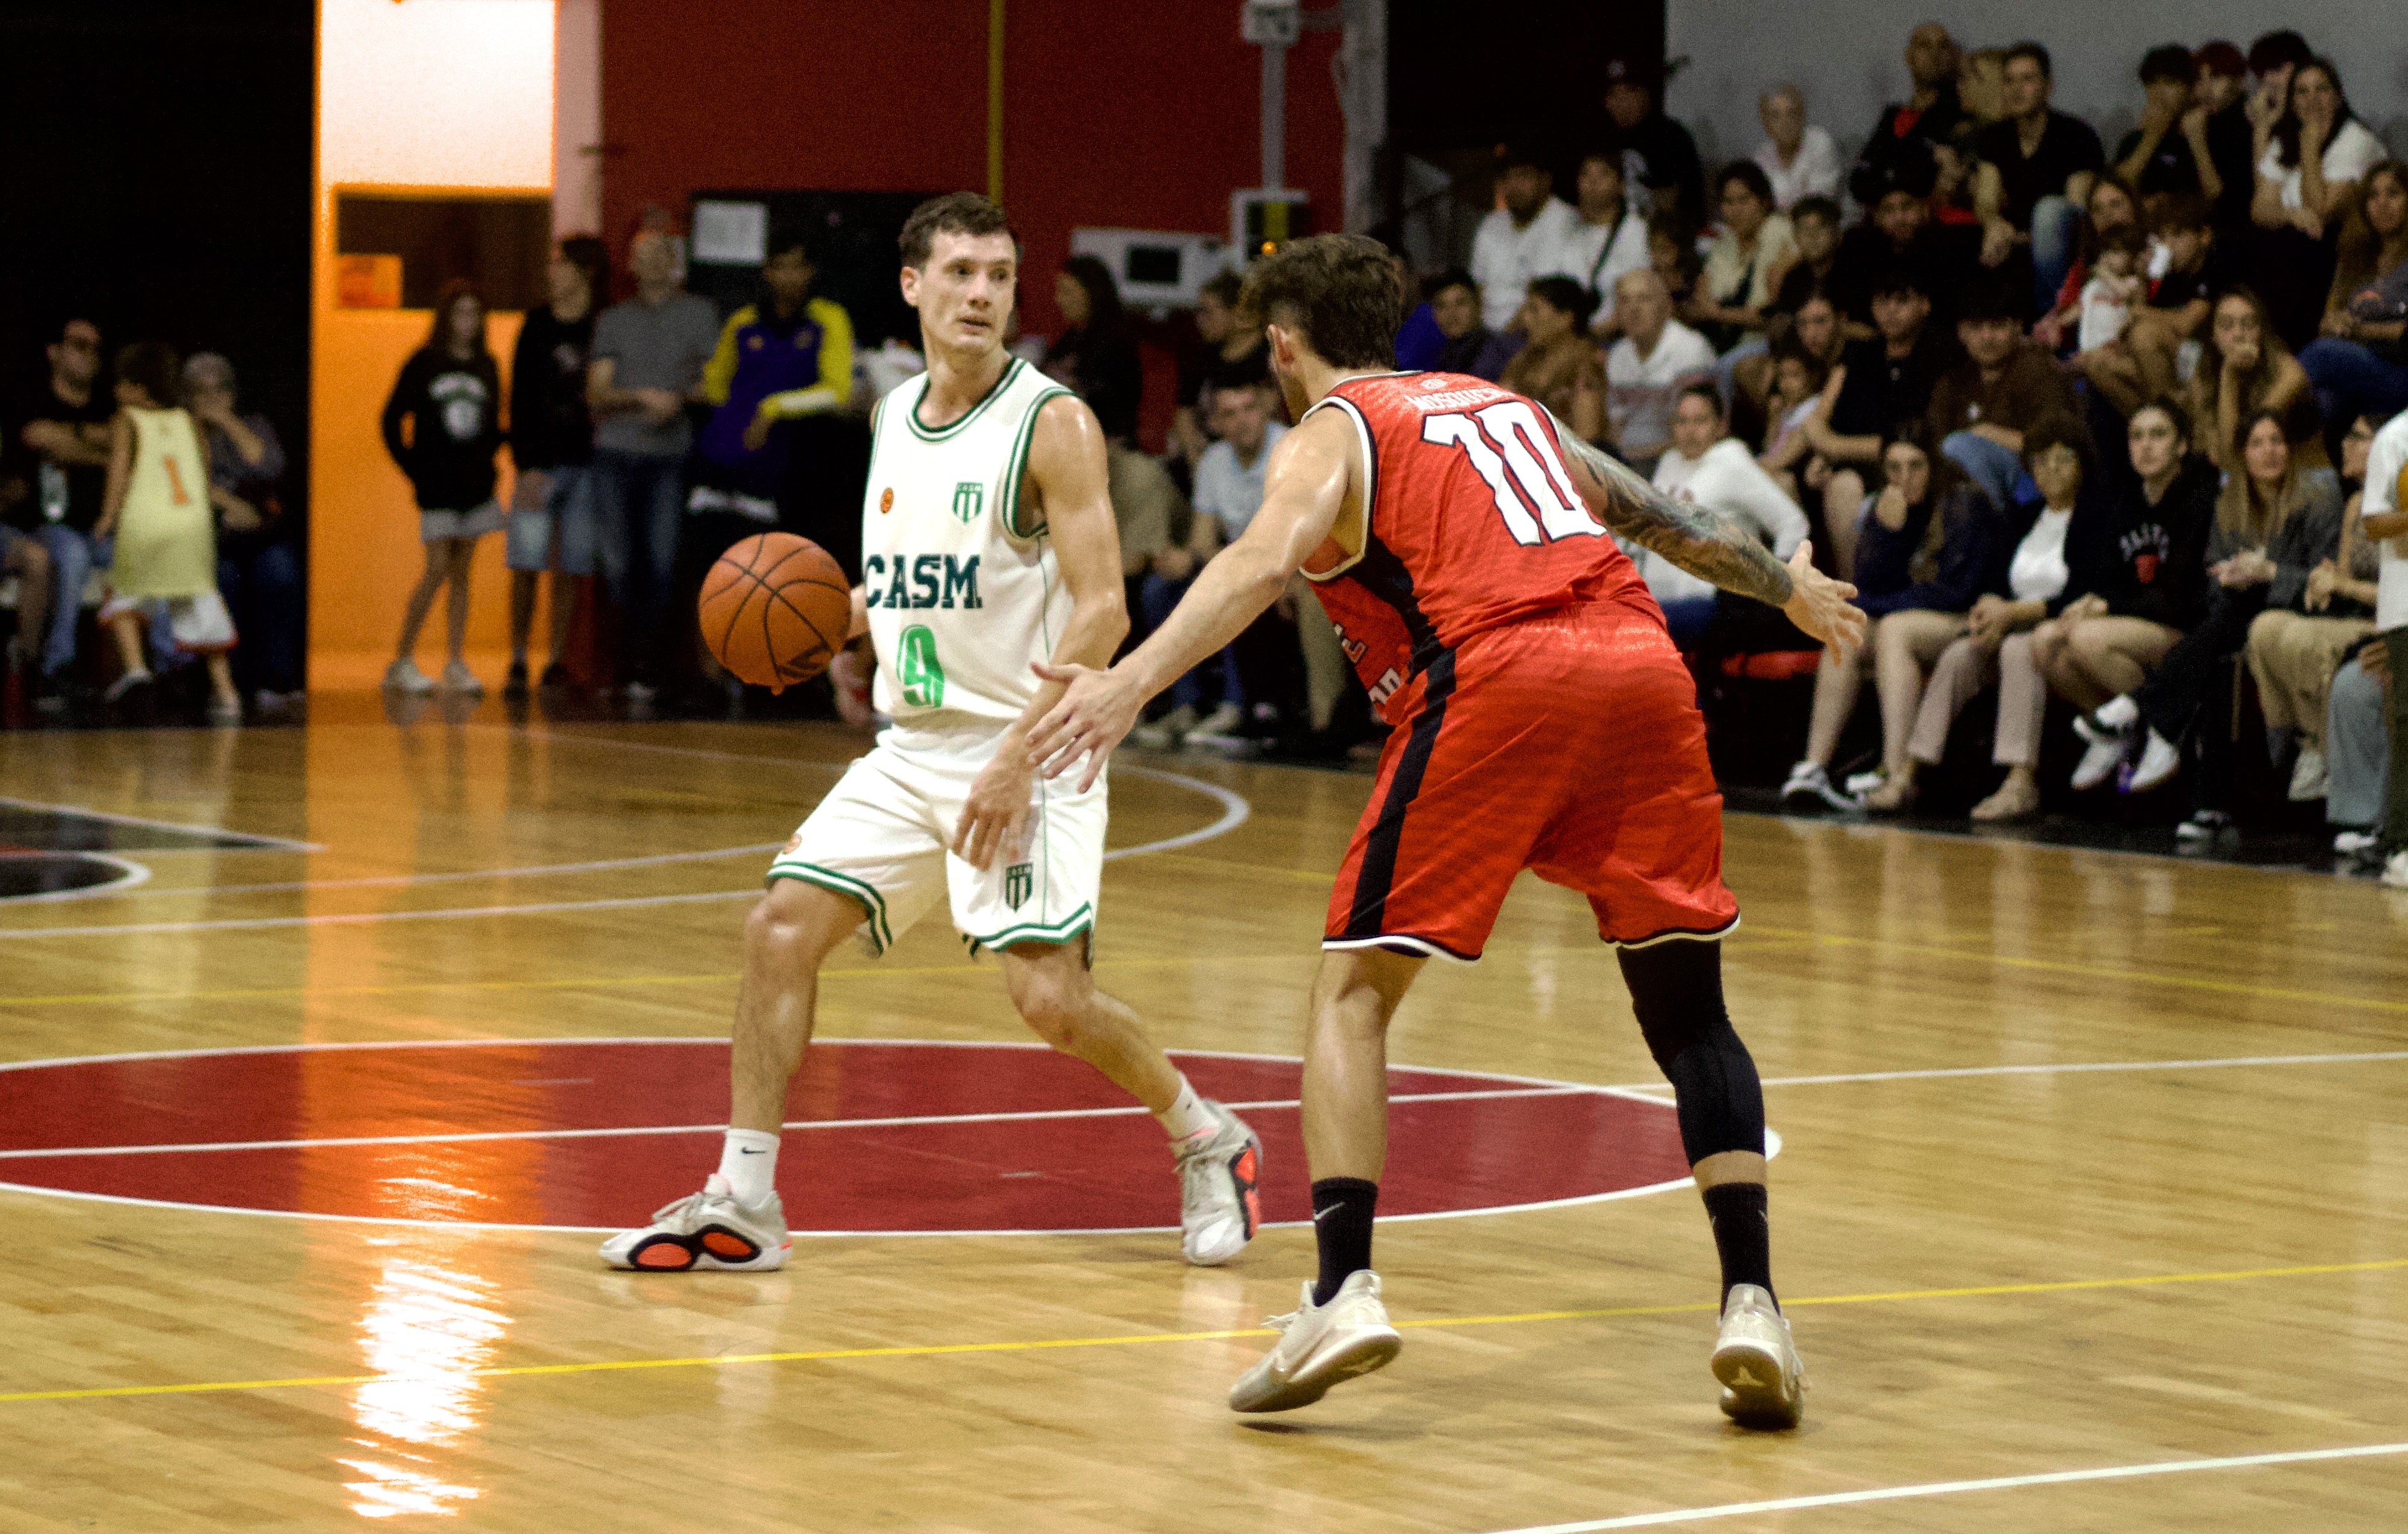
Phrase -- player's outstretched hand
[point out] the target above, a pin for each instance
(995, 816)
(1820, 605)
(1094, 715)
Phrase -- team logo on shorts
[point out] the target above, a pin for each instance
(1018, 880)
(886, 500)
(969, 500)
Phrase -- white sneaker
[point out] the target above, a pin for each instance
(1166, 732)
(1809, 784)
(1764, 1381)
(125, 684)
(403, 675)
(641, 694)
(1218, 1174)
(226, 710)
(1320, 1346)
(2160, 758)
(2108, 748)
(457, 677)
(2353, 843)
(2203, 825)
(2308, 775)
(706, 1230)
(1224, 719)
(1861, 783)
(2395, 871)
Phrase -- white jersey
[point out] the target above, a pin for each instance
(965, 596)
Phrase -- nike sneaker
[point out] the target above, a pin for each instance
(1764, 1381)
(1218, 1174)
(706, 1230)
(1320, 1346)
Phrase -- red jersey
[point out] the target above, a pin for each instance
(1471, 523)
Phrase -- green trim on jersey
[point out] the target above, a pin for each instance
(1018, 465)
(940, 433)
(842, 883)
(1069, 929)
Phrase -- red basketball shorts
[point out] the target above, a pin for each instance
(1570, 745)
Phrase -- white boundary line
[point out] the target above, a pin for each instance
(370, 918)
(398, 880)
(131, 875)
(1772, 1140)
(1947, 1488)
(261, 843)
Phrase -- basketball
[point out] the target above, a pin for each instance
(775, 608)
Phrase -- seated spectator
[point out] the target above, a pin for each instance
(1801, 366)
(2358, 750)
(1673, 255)
(1814, 228)
(1561, 368)
(2294, 649)
(1155, 522)
(2112, 206)
(1707, 467)
(1524, 237)
(2038, 167)
(1232, 356)
(2274, 523)
(1927, 120)
(2168, 155)
(1658, 154)
(1743, 270)
(62, 428)
(1095, 355)
(1985, 404)
(2222, 90)
(163, 541)
(2310, 171)
(22, 556)
(551, 524)
(1262, 668)
(443, 425)
(2244, 368)
(1645, 371)
(1471, 346)
(2359, 364)
(1982, 95)
(2026, 584)
(1927, 545)
(1606, 240)
(2144, 363)
(1899, 231)
(1878, 384)
(1799, 160)
(259, 572)
(2384, 519)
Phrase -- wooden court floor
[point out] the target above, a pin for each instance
(2092, 1210)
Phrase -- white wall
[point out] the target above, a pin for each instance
(1848, 55)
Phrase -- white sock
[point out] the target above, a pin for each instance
(2118, 713)
(1186, 1116)
(748, 1161)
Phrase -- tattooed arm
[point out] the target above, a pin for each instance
(1713, 547)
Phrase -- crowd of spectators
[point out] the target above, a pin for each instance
(2089, 431)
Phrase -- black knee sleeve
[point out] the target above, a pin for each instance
(1676, 988)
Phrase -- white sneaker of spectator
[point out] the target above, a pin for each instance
(403, 675)
(1166, 732)
(2355, 843)
(2395, 870)
(2160, 758)
(2205, 825)
(1809, 784)
(2308, 775)
(2111, 742)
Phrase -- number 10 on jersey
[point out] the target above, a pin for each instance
(1514, 453)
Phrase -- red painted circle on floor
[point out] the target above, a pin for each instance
(598, 1134)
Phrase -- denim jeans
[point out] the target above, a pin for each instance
(261, 583)
(73, 555)
(1997, 469)
(1156, 598)
(2055, 226)
(2351, 380)
(2357, 748)
(638, 506)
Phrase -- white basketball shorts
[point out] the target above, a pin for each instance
(882, 838)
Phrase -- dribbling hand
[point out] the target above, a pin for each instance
(1820, 605)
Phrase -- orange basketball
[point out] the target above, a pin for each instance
(775, 608)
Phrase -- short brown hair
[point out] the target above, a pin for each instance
(955, 213)
(1339, 290)
(153, 367)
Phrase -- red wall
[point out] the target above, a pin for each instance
(1140, 114)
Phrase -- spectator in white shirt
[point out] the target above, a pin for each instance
(1647, 368)
(1607, 239)
(1707, 467)
(1522, 238)
(1799, 160)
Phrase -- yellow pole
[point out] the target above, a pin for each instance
(994, 99)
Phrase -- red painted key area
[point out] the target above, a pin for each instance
(207, 1114)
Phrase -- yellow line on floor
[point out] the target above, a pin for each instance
(937, 1350)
